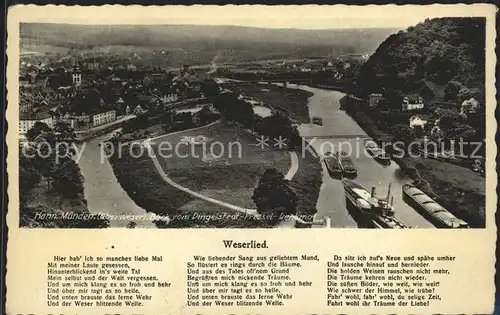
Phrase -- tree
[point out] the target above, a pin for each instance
(452, 89)
(274, 197)
(37, 129)
(64, 133)
(403, 133)
(437, 51)
(210, 88)
(184, 119)
(131, 225)
(279, 125)
(426, 92)
(235, 109)
(68, 180)
(29, 176)
(206, 115)
(448, 118)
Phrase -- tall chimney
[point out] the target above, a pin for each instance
(389, 192)
(392, 201)
(373, 191)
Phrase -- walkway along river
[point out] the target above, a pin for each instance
(336, 123)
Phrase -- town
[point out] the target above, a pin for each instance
(87, 92)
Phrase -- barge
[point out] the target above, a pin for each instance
(348, 168)
(377, 152)
(332, 165)
(430, 209)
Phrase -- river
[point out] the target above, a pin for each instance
(337, 125)
(103, 192)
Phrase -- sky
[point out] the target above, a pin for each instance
(301, 17)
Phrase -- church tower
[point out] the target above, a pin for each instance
(76, 76)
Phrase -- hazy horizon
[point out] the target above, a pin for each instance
(304, 17)
(217, 25)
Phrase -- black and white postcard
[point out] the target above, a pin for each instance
(236, 159)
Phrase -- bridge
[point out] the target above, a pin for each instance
(341, 136)
(292, 80)
(348, 136)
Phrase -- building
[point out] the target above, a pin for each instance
(104, 118)
(469, 106)
(79, 122)
(25, 106)
(138, 110)
(374, 99)
(76, 77)
(26, 79)
(170, 97)
(93, 64)
(131, 67)
(412, 102)
(416, 121)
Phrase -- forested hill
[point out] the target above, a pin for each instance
(426, 57)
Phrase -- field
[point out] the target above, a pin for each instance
(292, 101)
(38, 49)
(227, 167)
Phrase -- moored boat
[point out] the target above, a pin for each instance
(347, 165)
(376, 212)
(332, 165)
(429, 208)
(317, 121)
(377, 152)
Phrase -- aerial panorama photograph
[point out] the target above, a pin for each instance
(192, 125)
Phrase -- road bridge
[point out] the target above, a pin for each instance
(347, 136)
(294, 81)
(340, 136)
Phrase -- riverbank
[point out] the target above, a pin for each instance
(458, 189)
